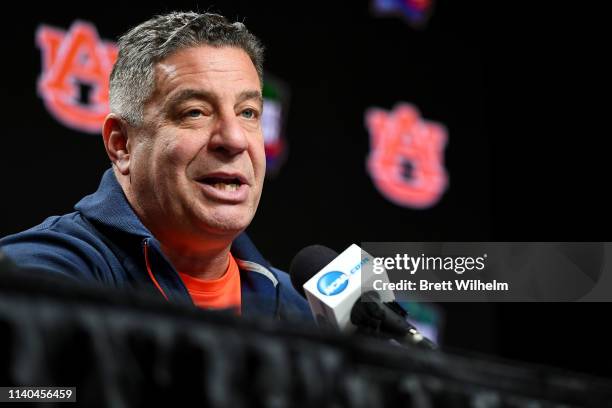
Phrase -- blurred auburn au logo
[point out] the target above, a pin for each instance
(415, 12)
(406, 161)
(74, 82)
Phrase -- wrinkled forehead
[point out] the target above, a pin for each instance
(208, 66)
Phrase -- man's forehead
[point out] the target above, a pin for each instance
(165, 69)
(206, 61)
(180, 73)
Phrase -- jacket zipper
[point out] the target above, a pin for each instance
(146, 255)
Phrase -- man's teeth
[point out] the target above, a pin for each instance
(226, 186)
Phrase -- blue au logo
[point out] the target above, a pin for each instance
(332, 283)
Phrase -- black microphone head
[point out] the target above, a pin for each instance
(307, 263)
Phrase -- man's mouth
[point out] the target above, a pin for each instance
(227, 187)
(223, 183)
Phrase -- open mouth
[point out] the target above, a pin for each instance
(223, 183)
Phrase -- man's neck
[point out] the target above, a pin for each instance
(208, 264)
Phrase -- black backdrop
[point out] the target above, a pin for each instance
(525, 157)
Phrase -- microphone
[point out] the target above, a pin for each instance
(373, 316)
(333, 283)
(307, 263)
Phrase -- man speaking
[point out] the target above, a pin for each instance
(185, 140)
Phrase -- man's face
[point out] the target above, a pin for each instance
(197, 165)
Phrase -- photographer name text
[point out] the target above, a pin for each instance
(447, 285)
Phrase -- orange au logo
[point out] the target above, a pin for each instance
(406, 161)
(76, 66)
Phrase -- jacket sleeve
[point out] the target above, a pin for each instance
(293, 307)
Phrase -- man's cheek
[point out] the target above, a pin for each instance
(264, 161)
(260, 158)
(176, 153)
(177, 149)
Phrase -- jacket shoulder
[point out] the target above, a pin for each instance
(63, 245)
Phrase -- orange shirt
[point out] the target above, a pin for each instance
(221, 293)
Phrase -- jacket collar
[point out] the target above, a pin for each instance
(108, 206)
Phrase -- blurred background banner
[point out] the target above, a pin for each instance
(366, 118)
(503, 145)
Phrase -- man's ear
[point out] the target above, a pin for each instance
(114, 133)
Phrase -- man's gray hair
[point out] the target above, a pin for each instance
(132, 81)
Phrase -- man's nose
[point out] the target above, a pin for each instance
(228, 136)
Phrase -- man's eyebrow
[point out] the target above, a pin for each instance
(246, 95)
(187, 94)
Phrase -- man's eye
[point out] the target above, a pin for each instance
(193, 113)
(249, 114)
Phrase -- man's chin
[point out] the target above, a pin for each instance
(226, 225)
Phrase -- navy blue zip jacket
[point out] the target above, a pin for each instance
(104, 242)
